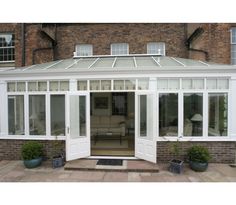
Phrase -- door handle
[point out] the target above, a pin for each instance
(68, 130)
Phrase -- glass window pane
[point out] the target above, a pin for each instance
(42, 86)
(20, 86)
(82, 85)
(218, 114)
(32, 86)
(82, 116)
(37, 113)
(119, 49)
(193, 105)
(173, 84)
(130, 84)
(118, 85)
(168, 114)
(223, 84)
(106, 85)
(84, 49)
(162, 83)
(143, 84)
(57, 115)
(187, 84)
(156, 48)
(53, 86)
(94, 84)
(211, 83)
(198, 84)
(64, 85)
(16, 124)
(143, 115)
(11, 87)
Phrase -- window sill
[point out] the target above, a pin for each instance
(32, 137)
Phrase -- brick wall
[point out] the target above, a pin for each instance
(11, 149)
(221, 152)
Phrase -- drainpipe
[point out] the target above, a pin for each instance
(22, 44)
(193, 36)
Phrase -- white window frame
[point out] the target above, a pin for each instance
(84, 49)
(8, 47)
(117, 46)
(159, 51)
(233, 44)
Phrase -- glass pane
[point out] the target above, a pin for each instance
(74, 116)
(198, 84)
(53, 86)
(20, 86)
(162, 83)
(168, 114)
(105, 85)
(130, 84)
(187, 84)
(16, 125)
(211, 83)
(94, 85)
(173, 84)
(82, 116)
(11, 87)
(57, 115)
(64, 85)
(143, 84)
(118, 85)
(37, 119)
(223, 84)
(193, 104)
(82, 85)
(42, 86)
(217, 111)
(32, 86)
(143, 115)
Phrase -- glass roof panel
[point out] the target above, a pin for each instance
(83, 63)
(145, 61)
(167, 61)
(124, 62)
(42, 66)
(104, 63)
(190, 62)
(63, 64)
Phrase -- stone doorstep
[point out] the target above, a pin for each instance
(128, 166)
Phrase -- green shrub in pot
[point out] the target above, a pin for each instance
(32, 153)
(198, 158)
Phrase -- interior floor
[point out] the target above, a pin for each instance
(112, 124)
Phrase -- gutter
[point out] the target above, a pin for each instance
(194, 36)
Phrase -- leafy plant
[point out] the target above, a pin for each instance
(198, 154)
(31, 150)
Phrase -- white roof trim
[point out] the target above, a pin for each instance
(52, 65)
(114, 62)
(156, 61)
(204, 63)
(178, 61)
(72, 64)
(93, 62)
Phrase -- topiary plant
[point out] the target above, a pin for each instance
(31, 150)
(198, 154)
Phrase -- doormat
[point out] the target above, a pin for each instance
(110, 162)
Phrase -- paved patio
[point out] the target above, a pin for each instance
(14, 171)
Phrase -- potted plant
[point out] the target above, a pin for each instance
(58, 155)
(176, 165)
(32, 153)
(198, 158)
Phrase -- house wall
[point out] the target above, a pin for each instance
(11, 149)
(221, 152)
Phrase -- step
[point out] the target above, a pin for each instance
(128, 166)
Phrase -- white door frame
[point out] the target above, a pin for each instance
(145, 147)
(77, 147)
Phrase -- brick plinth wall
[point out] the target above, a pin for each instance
(11, 149)
(221, 152)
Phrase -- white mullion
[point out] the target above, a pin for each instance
(26, 107)
(48, 116)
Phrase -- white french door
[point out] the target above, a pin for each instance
(78, 121)
(145, 125)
